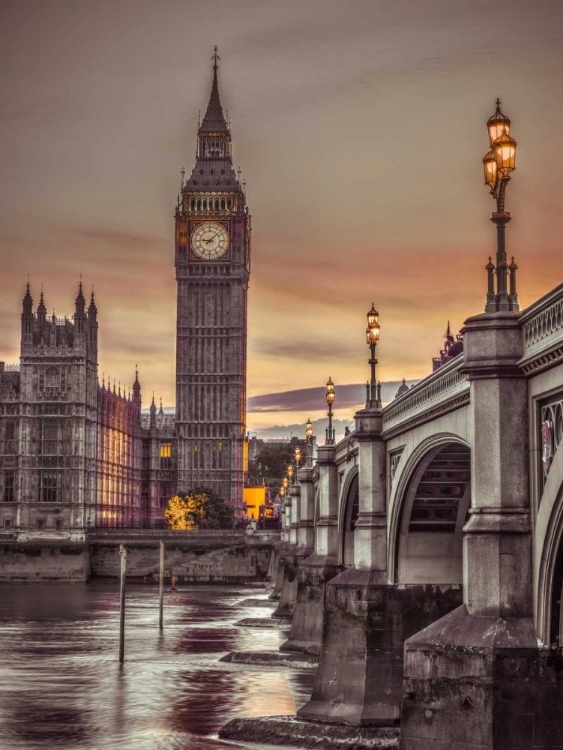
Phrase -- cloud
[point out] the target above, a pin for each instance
(311, 399)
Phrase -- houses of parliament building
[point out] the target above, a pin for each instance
(76, 453)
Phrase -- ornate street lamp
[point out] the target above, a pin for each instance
(498, 163)
(330, 396)
(309, 441)
(373, 397)
(290, 472)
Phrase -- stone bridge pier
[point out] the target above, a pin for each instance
(290, 556)
(366, 617)
(318, 535)
(283, 546)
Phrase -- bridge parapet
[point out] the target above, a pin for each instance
(346, 448)
(542, 331)
(211, 537)
(444, 390)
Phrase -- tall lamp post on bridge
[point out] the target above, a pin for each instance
(498, 163)
(290, 473)
(373, 398)
(330, 396)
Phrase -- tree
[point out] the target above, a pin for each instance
(200, 508)
(270, 465)
(176, 514)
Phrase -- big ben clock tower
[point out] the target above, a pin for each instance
(212, 258)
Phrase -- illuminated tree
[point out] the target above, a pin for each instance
(177, 514)
(200, 508)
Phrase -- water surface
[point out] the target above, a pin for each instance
(61, 685)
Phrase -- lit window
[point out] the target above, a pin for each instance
(165, 456)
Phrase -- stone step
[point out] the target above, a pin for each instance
(286, 730)
(273, 659)
(262, 622)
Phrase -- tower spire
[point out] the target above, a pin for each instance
(214, 119)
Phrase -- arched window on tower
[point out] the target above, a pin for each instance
(223, 204)
(205, 204)
(199, 204)
(192, 204)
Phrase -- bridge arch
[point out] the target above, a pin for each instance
(431, 496)
(548, 540)
(348, 515)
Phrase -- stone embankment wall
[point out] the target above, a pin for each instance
(221, 565)
(195, 557)
(44, 562)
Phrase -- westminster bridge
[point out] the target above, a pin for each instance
(422, 556)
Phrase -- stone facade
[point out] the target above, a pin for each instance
(71, 450)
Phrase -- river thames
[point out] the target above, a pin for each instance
(61, 685)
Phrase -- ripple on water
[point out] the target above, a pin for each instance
(61, 685)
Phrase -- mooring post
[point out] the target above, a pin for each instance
(123, 570)
(161, 587)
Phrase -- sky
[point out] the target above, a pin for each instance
(359, 126)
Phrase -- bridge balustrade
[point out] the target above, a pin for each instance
(444, 390)
(542, 331)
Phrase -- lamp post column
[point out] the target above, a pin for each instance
(373, 396)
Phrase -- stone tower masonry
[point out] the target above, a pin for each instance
(212, 259)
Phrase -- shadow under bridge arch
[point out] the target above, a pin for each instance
(349, 509)
(433, 510)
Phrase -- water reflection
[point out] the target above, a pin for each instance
(61, 685)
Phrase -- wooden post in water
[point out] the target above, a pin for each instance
(161, 587)
(123, 570)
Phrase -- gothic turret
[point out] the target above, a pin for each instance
(27, 313)
(137, 387)
(80, 311)
(93, 324)
(41, 310)
(152, 412)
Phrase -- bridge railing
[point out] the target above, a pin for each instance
(444, 390)
(542, 331)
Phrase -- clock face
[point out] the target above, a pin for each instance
(210, 241)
